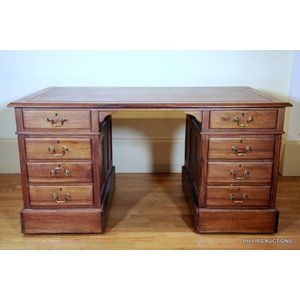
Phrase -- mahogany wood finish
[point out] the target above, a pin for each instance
(232, 151)
(61, 196)
(62, 171)
(107, 98)
(105, 149)
(193, 150)
(58, 149)
(238, 119)
(241, 147)
(240, 221)
(57, 119)
(87, 220)
(239, 172)
(237, 196)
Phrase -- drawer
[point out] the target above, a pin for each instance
(241, 148)
(240, 172)
(56, 119)
(237, 196)
(61, 196)
(57, 149)
(241, 119)
(59, 172)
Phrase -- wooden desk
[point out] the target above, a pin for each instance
(232, 147)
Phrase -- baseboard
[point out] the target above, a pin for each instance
(291, 159)
(151, 155)
(9, 156)
(130, 155)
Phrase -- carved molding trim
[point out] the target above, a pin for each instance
(196, 113)
(104, 114)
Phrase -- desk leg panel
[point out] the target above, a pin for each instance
(238, 221)
(191, 197)
(106, 196)
(61, 221)
(193, 161)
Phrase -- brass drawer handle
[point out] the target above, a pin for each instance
(57, 122)
(55, 171)
(65, 198)
(236, 177)
(241, 152)
(239, 124)
(54, 152)
(243, 198)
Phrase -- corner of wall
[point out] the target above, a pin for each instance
(290, 154)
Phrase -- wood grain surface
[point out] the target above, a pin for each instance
(44, 172)
(239, 119)
(56, 119)
(78, 148)
(255, 196)
(256, 172)
(259, 147)
(78, 195)
(146, 97)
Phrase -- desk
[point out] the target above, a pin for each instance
(232, 146)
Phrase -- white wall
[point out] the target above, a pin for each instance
(294, 95)
(140, 145)
(291, 148)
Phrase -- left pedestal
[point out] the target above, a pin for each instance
(66, 169)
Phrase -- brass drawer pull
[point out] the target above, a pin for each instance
(57, 122)
(243, 198)
(241, 152)
(236, 177)
(239, 124)
(54, 153)
(65, 199)
(55, 171)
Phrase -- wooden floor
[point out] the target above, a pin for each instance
(148, 211)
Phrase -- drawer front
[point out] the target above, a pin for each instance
(233, 172)
(59, 172)
(242, 119)
(57, 149)
(237, 196)
(241, 148)
(57, 119)
(61, 196)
